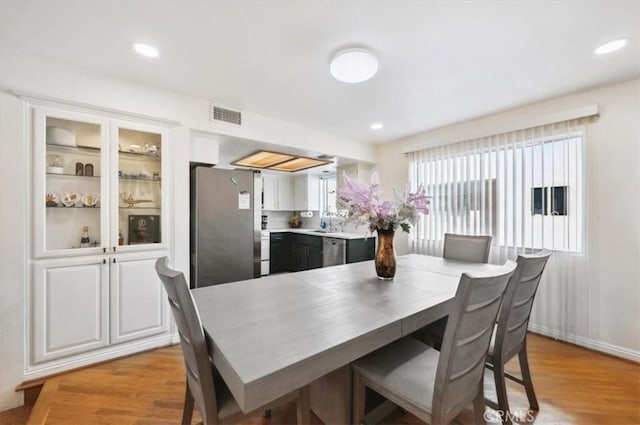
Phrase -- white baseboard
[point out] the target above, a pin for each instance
(107, 353)
(603, 347)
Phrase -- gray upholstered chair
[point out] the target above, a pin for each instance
(436, 386)
(510, 334)
(474, 249)
(205, 387)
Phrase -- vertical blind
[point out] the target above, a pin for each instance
(525, 188)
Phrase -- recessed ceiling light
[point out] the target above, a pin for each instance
(611, 46)
(353, 65)
(146, 50)
(376, 126)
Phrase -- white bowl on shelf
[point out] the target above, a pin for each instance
(55, 170)
(60, 136)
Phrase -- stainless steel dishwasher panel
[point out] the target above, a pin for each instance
(334, 251)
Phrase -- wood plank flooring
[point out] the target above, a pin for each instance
(574, 386)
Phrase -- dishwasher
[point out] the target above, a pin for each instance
(334, 251)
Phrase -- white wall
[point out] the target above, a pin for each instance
(13, 248)
(602, 312)
(53, 79)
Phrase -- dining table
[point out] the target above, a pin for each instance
(279, 333)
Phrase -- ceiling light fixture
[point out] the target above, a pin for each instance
(611, 46)
(146, 50)
(353, 65)
(279, 161)
(376, 126)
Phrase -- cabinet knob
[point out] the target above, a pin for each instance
(114, 261)
(104, 261)
(114, 249)
(104, 249)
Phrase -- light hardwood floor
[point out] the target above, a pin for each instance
(574, 386)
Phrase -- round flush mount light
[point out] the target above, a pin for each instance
(146, 50)
(376, 126)
(353, 65)
(611, 46)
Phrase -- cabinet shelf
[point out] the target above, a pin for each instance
(139, 208)
(74, 149)
(62, 207)
(71, 175)
(96, 150)
(138, 156)
(148, 179)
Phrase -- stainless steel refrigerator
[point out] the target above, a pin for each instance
(225, 225)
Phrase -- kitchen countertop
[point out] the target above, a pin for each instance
(316, 232)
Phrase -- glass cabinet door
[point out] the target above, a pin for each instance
(140, 175)
(70, 183)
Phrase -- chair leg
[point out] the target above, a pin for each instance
(358, 398)
(478, 406)
(187, 412)
(304, 406)
(501, 390)
(526, 377)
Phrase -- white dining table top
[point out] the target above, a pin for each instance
(276, 334)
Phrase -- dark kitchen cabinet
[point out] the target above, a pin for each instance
(360, 249)
(281, 255)
(315, 257)
(293, 252)
(308, 252)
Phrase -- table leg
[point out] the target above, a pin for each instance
(331, 397)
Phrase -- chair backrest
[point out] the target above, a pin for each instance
(474, 249)
(513, 318)
(192, 339)
(466, 341)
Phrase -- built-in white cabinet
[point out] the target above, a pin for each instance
(102, 174)
(138, 306)
(82, 304)
(307, 192)
(70, 307)
(277, 192)
(100, 221)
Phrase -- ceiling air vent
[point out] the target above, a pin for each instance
(226, 115)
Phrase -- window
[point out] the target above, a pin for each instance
(523, 188)
(540, 200)
(328, 195)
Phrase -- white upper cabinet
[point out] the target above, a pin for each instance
(138, 187)
(71, 182)
(100, 174)
(269, 192)
(277, 192)
(285, 193)
(307, 192)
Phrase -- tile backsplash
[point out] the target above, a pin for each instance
(280, 220)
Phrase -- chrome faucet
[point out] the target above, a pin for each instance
(332, 227)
